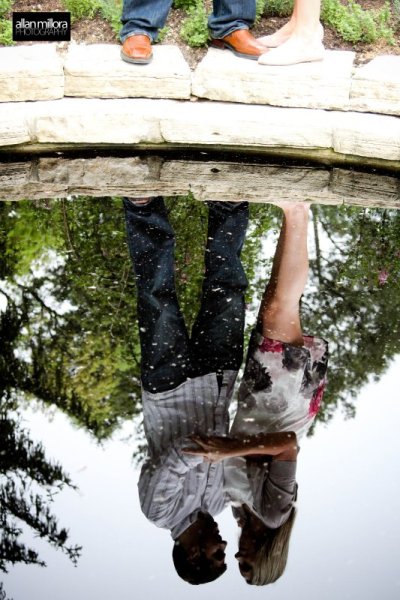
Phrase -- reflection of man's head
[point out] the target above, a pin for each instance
(199, 552)
(263, 552)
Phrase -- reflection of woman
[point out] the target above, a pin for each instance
(278, 399)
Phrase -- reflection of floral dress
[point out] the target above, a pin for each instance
(282, 389)
(282, 386)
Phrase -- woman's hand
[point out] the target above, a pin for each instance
(280, 445)
(214, 448)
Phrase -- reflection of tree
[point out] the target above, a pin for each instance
(353, 307)
(70, 312)
(28, 482)
(3, 595)
(69, 329)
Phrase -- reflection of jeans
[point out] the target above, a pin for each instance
(168, 355)
(148, 16)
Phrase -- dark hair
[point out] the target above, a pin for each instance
(202, 570)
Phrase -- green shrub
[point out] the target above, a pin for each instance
(260, 8)
(383, 20)
(162, 33)
(396, 12)
(5, 24)
(6, 33)
(354, 24)
(111, 10)
(5, 6)
(278, 8)
(185, 4)
(194, 30)
(82, 9)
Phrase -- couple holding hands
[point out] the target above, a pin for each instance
(298, 41)
(196, 463)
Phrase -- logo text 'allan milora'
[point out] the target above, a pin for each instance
(41, 26)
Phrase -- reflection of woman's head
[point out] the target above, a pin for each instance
(199, 553)
(263, 551)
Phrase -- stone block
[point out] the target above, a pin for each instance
(365, 189)
(13, 175)
(220, 123)
(13, 126)
(372, 136)
(103, 174)
(232, 181)
(375, 86)
(31, 73)
(97, 71)
(90, 121)
(324, 84)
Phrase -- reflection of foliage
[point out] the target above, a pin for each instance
(352, 309)
(70, 334)
(25, 474)
(70, 309)
(3, 593)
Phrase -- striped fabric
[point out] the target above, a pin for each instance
(174, 487)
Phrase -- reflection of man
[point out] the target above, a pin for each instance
(229, 25)
(187, 382)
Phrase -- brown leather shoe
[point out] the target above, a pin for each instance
(136, 49)
(241, 43)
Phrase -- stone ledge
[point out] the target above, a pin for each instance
(199, 124)
(375, 87)
(31, 73)
(333, 84)
(233, 181)
(97, 71)
(94, 121)
(38, 72)
(325, 84)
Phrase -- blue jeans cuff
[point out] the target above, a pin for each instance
(235, 28)
(136, 32)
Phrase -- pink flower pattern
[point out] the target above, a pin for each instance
(316, 400)
(383, 276)
(269, 345)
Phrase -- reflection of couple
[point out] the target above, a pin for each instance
(193, 466)
(299, 40)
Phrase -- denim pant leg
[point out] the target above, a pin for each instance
(144, 17)
(217, 335)
(229, 15)
(163, 336)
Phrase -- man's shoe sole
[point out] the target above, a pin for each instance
(221, 45)
(136, 61)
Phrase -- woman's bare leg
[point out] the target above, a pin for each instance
(279, 316)
(300, 39)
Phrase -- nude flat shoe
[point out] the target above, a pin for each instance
(290, 55)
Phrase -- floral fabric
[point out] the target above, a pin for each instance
(282, 386)
(282, 389)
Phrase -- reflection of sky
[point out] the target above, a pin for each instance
(344, 545)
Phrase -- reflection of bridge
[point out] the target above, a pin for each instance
(90, 98)
(206, 179)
